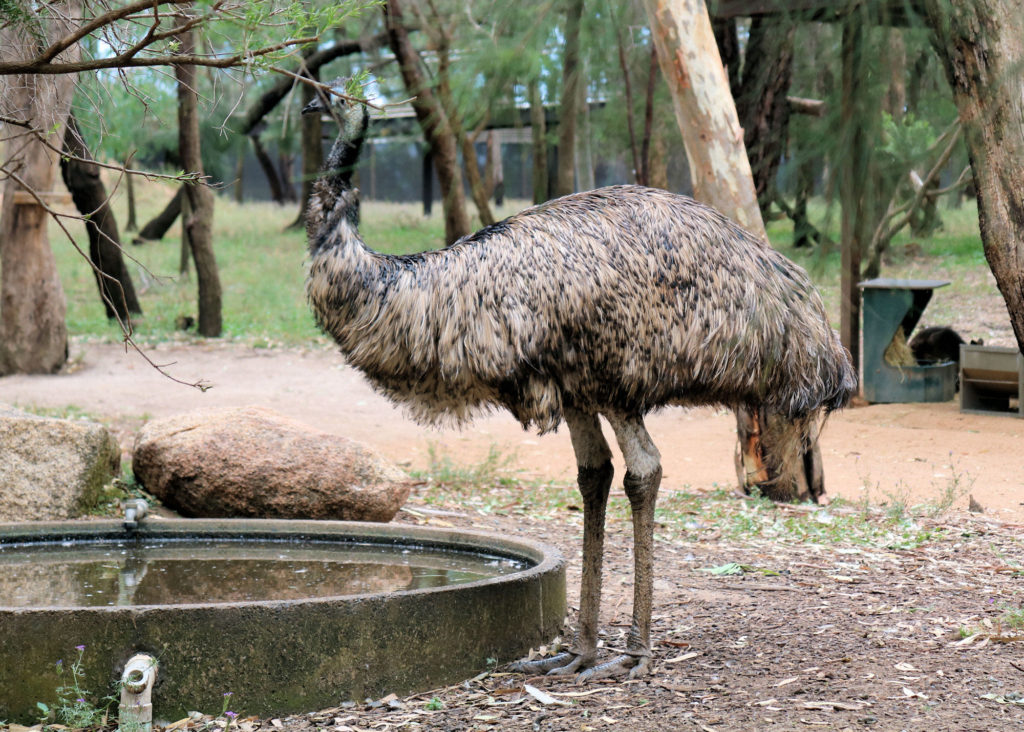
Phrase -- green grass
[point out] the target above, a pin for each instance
(495, 487)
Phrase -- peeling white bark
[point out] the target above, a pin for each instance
(705, 110)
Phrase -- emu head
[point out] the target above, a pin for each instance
(351, 116)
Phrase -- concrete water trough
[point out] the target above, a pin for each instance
(439, 606)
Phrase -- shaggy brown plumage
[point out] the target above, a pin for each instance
(623, 298)
(611, 302)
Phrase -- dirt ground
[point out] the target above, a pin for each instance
(908, 452)
(841, 638)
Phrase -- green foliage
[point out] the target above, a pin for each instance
(906, 142)
(21, 15)
(77, 707)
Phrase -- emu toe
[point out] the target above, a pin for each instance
(626, 664)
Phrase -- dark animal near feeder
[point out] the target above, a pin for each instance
(937, 344)
(612, 303)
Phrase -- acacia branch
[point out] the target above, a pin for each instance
(127, 60)
(920, 193)
(100, 21)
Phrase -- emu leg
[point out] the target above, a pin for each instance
(643, 477)
(594, 477)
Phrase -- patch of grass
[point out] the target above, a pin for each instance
(494, 486)
(260, 262)
(119, 490)
(69, 411)
(76, 707)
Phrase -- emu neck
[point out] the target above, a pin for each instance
(339, 164)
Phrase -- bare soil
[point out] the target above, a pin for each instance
(843, 637)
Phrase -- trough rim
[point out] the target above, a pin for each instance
(543, 557)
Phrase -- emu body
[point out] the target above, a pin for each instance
(612, 302)
(623, 299)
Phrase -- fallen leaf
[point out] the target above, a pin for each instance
(541, 696)
(786, 682)
(684, 657)
(907, 691)
(831, 706)
(1017, 699)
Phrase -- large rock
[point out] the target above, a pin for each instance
(52, 468)
(257, 463)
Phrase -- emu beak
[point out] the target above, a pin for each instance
(314, 107)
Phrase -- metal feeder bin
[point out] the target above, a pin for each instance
(887, 304)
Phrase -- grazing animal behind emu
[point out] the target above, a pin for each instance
(612, 302)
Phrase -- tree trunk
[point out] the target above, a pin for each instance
(199, 222)
(566, 181)
(538, 135)
(160, 224)
(654, 173)
(494, 171)
(185, 250)
(981, 43)
(90, 196)
(285, 165)
(727, 40)
(721, 176)
(704, 109)
(627, 89)
(33, 332)
(129, 186)
(476, 181)
(435, 124)
(277, 194)
(584, 154)
(761, 105)
(853, 183)
(312, 151)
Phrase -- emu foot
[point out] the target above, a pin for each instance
(564, 664)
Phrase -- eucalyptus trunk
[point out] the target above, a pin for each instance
(434, 122)
(198, 223)
(571, 76)
(981, 43)
(33, 332)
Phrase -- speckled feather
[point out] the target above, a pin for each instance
(621, 299)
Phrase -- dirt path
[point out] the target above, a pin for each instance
(905, 452)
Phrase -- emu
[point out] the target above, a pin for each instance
(613, 302)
